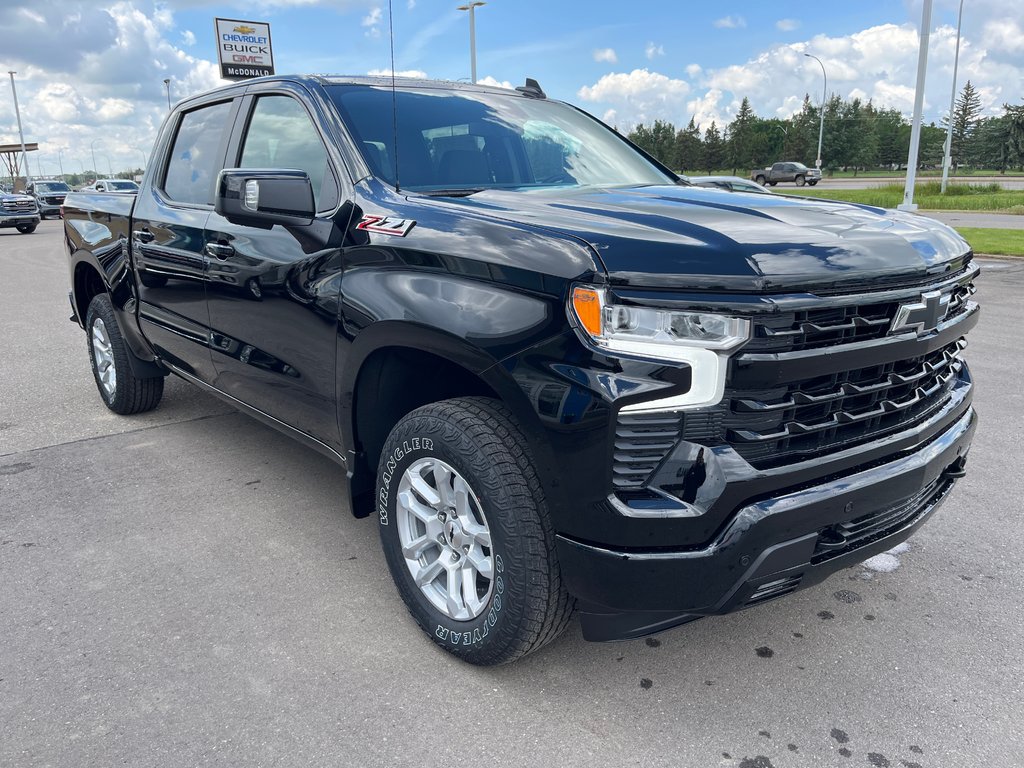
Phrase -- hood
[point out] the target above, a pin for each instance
(696, 237)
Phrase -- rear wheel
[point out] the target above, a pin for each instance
(760, 180)
(800, 181)
(812, 183)
(26, 229)
(122, 391)
(466, 534)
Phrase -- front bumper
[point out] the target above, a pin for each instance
(770, 547)
(16, 219)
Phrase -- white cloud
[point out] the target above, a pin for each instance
(418, 73)
(411, 4)
(1005, 35)
(188, 38)
(372, 22)
(605, 54)
(488, 80)
(643, 95)
(787, 25)
(653, 50)
(609, 117)
(730, 22)
(694, 70)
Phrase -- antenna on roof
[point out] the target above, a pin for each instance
(394, 91)
(532, 89)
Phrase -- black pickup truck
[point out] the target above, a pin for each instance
(556, 375)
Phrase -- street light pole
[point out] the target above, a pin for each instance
(21, 134)
(92, 149)
(824, 95)
(471, 7)
(915, 127)
(952, 103)
(167, 87)
(60, 162)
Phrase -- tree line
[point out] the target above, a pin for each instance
(858, 136)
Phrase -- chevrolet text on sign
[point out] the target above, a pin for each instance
(243, 49)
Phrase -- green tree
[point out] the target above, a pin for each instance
(741, 134)
(965, 121)
(714, 149)
(658, 141)
(689, 148)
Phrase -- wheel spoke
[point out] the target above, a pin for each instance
(421, 511)
(443, 481)
(423, 488)
(415, 549)
(480, 563)
(469, 595)
(428, 573)
(454, 599)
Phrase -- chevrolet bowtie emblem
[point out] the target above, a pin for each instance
(923, 315)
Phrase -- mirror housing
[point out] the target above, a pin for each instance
(263, 197)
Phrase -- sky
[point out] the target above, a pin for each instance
(90, 73)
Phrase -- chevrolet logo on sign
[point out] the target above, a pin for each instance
(243, 30)
(921, 316)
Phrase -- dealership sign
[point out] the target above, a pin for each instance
(243, 49)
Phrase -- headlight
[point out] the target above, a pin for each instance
(701, 340)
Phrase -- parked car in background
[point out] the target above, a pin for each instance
(798, 173)
(49, 196)
(20, 211)
(115, 185)
(731, 183)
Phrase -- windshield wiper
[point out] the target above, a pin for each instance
(458, 192)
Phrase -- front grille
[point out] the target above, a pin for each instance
(836, 540)
(814, 328)
(642, 441)
(814, 416)
(19, 206)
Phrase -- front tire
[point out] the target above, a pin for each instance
(26, 229)
(466, 534)
(121, 390)
(800, 180)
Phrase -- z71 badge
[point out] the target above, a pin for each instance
(386, 225)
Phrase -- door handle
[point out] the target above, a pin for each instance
(219, 250)
(144, 236)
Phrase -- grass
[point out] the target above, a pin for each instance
(1002, 242)
(959, 197)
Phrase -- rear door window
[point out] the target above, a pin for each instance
(195, 158)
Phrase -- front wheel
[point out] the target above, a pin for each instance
(800, 181)
(26, 229)
(122, 391)
(466, 534)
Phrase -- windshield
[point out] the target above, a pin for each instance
(451, 140)
(53, 187)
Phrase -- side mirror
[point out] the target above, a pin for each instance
(263, 197)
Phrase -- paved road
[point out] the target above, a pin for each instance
(186, 589)
(970, 219)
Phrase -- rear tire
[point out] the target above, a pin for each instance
(466, 534)
(26, 229)
(121, 390)
(760, 180)
(812, 183)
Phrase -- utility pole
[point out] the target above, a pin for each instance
(471, 7)
(824, 95)
(167, 87)
(92, 148)
(908, 203)
(952, 103)
(21, 134)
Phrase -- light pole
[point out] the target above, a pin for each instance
(167, 87)
(60, 162)
(915, 126)
(92, 149)
(824, 95)
(471, 7)
(952, 102)
(21, 134)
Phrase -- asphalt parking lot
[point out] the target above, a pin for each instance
(186, 588)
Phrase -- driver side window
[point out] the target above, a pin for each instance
(281, 135)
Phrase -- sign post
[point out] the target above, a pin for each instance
(243, 49)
